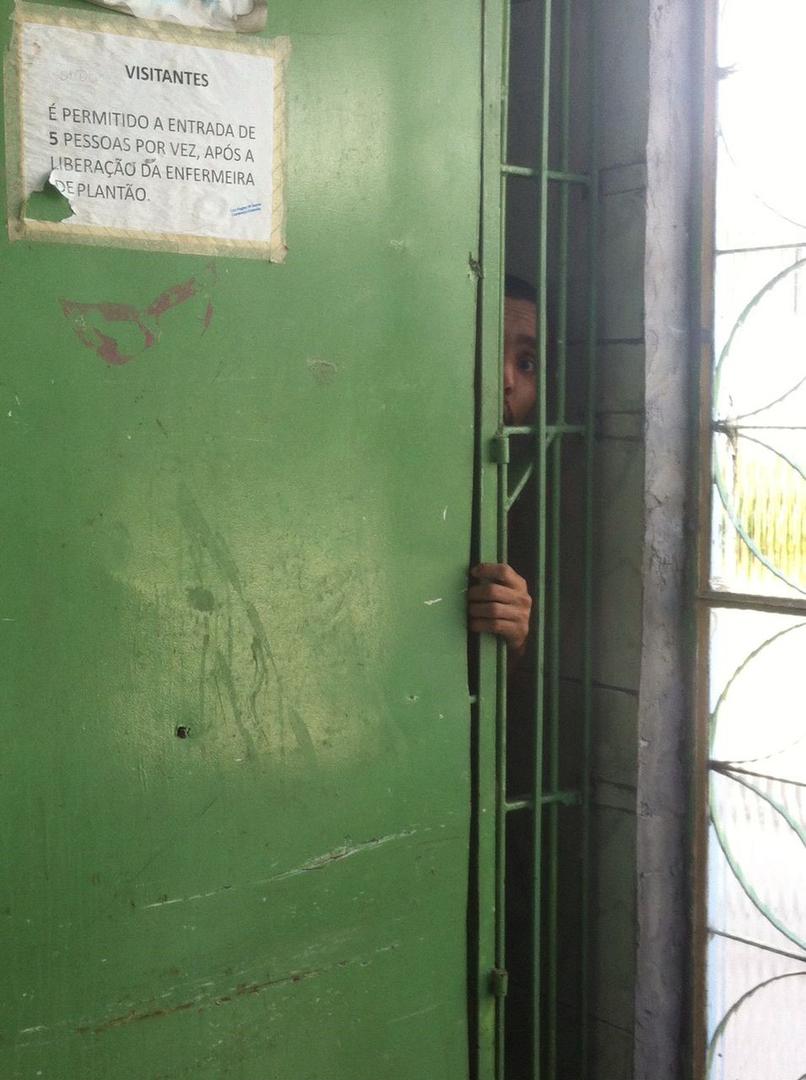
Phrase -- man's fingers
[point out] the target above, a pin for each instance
(505, 612)
(500, 593)
(499, 572)
(499, 604)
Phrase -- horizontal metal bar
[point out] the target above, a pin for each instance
(518, 804)
(549, 798)
(557, 176)
(728, 768)
(783, 605)
(519, 170)
(763, 247)
(758, 945)
(561, 798)
(737, 427)
(551, 430)
(568, 177)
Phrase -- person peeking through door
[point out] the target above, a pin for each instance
(500, 602)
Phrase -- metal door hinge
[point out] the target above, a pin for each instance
(499, 982)
(499, 449)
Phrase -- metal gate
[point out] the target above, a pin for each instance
(554, 458)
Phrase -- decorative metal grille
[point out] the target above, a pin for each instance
(753, 586)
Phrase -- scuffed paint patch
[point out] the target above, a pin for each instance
(201, 599)
(324, 371)
(94, 324)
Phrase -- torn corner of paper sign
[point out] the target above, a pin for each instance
(242, 16)
(47, 202)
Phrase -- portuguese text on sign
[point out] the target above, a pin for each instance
(151, 138)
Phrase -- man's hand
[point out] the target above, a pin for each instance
(500, 604)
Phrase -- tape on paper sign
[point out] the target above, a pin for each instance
(167, 140)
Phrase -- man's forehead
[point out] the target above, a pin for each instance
(520, 318)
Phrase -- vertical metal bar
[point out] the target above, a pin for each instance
(540, 451)
(485, 1055)
(559, 361)
(503, 488)
(501, 785)
(587, 644)
(704, 276)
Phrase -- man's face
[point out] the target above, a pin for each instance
(520, 365)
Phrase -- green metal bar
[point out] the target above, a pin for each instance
(549, 798)
(540, 451)
(558, 176)
(560, 363)
(565, 177)
(485, 1054)
(551, 429)
(519, 170)
(502, 546)
(523, 480)
(587, 633)
(501, 786)
(561, 798)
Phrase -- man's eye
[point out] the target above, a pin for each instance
(527, 364)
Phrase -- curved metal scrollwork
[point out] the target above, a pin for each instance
(751, 1010)
(757, 803)
(755, 592)
(759, 411)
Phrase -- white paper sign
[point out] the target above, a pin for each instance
(148, 135)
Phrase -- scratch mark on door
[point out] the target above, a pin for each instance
(212, 544)
(212, 999)
(346, 851)
(411, 1015)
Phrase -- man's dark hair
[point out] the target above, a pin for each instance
(517, 289)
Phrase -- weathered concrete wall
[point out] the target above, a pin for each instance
(622, 36)
(664, 713)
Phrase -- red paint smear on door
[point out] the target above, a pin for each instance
(91, 321)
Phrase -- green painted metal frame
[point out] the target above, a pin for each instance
(495, 502)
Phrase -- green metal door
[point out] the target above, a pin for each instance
(235, 765)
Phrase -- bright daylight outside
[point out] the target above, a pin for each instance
(756, 964)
